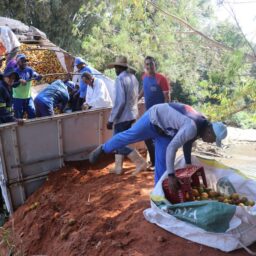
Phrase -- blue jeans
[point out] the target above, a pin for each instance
(21, 106)
(142, 130)
(120, 127)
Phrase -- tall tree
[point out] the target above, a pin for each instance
(55, 17)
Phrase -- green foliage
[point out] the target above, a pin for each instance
(58, 18)
(244, 120)
(228, 34)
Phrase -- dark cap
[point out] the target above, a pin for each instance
(10, 71)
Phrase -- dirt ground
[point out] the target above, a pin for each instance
(80, 211)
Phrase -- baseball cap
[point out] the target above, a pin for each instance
(220, 131)
(78, 61)
(9, 71)
(21, 56)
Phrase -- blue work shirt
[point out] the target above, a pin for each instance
(24, 91)
(82, 84)
(182, 123)
(154, 88)
(55, 94)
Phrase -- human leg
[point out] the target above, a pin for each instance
(141, 130)
(18, 108)
(118, 128)
(119, 156)
(161, 144)
(118, 169)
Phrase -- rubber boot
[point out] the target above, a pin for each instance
(95, 154)
(138, 160)
(118, 164)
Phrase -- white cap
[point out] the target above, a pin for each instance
(220, 131)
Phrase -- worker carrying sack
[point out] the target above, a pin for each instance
(219, 225)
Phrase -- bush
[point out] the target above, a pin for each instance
(244, 120)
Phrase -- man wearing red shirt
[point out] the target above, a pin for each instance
(156, 90)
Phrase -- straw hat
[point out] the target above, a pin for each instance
(120, 61)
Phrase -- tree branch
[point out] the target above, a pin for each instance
(239, 27)
(250, 57)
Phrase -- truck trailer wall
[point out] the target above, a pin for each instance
(29, 152)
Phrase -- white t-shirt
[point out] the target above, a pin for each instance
(98, 95)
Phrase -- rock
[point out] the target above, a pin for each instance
(161, 239)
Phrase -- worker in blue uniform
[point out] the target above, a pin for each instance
(54, 95)
(171, 126)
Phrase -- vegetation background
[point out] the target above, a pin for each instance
(210, 64)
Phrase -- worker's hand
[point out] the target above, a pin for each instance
(23, 81)
(85, 106)
(20, 121)
(109, 125)
(174, 184)
(39, 77)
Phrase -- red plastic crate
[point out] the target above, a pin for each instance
(189, 177)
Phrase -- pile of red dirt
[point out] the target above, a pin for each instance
(80, 211)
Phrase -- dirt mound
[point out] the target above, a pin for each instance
(80, 211)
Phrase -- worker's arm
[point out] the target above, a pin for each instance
(89, 95)
(186, 133)
(141, 94)
(63, 100)
(165, 86)
(100, 95)
(34, 75)
(64, 103)
(120, 102)
(16, 84)
(167, 97)
(187, 149)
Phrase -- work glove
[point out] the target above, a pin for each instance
(174, 183)
(109, 125)
(20, 121)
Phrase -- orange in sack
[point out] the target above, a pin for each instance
(189, 177)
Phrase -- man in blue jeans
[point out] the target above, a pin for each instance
(124, 112)
(156, 90)
(171, 126)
